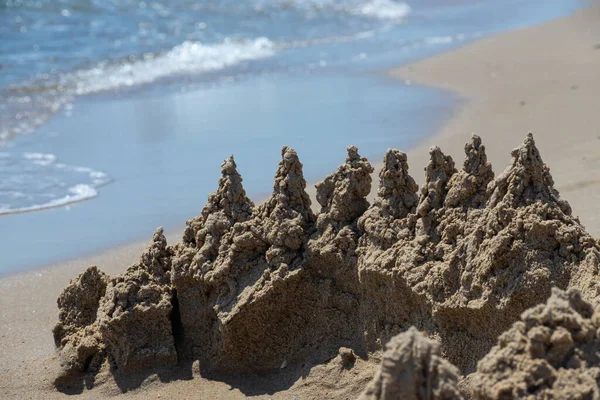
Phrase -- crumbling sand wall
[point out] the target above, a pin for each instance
(124, 319)
(412, 368)
(477, 253)
(254, 288)
(552, 352)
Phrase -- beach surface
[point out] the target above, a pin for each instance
(542, 79)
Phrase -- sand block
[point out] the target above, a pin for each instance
(76, 333)
(413, 368)
(552, 352)
(78, 303)
(134, 317)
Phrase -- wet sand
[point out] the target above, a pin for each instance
(542, 79)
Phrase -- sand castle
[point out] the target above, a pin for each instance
(255, 288)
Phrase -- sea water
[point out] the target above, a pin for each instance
(133, 105)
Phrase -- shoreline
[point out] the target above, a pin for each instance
(466, 71)
(145, 194)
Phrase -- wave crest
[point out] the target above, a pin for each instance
(383, 9)
(188, 57)
(36, 181)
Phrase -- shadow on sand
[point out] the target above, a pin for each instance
(250, 384)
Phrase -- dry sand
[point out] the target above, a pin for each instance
(542, 79)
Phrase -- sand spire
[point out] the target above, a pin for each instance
(396, 198)
(468, 187)
(437, 175)
(229, 201)
(342, 194)
(289, 185)
(134, 314)
(526, 180)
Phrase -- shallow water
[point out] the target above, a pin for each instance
(166, 152)
(133, 105)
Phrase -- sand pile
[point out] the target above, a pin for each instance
(76, 333)
(134, 317)
(553, 352)
(124, 319)
(413, 369)
(259, 288)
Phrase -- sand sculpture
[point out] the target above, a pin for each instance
(413, 369)
(255, 288)
(552, 352)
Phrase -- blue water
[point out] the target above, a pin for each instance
(133, 105)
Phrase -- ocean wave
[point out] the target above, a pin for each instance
(326, 40)
(188, 57)
(376, 9)
(441, 39)
(28, 105)
(36, 181)
(382, 9)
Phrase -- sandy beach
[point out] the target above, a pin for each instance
(542, 79)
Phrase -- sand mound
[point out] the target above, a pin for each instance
(76, 333)
(257, 288)
(124, 318)
(134, 317)
(78, 303)
(553, 352)
(413, 369)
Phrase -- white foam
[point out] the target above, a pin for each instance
(327, 40)
(440, 39)
(79, 193)
(82, 191)
(379, 9)
(35, 181)
(40, 158)
(188, 57)
(382, 9)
